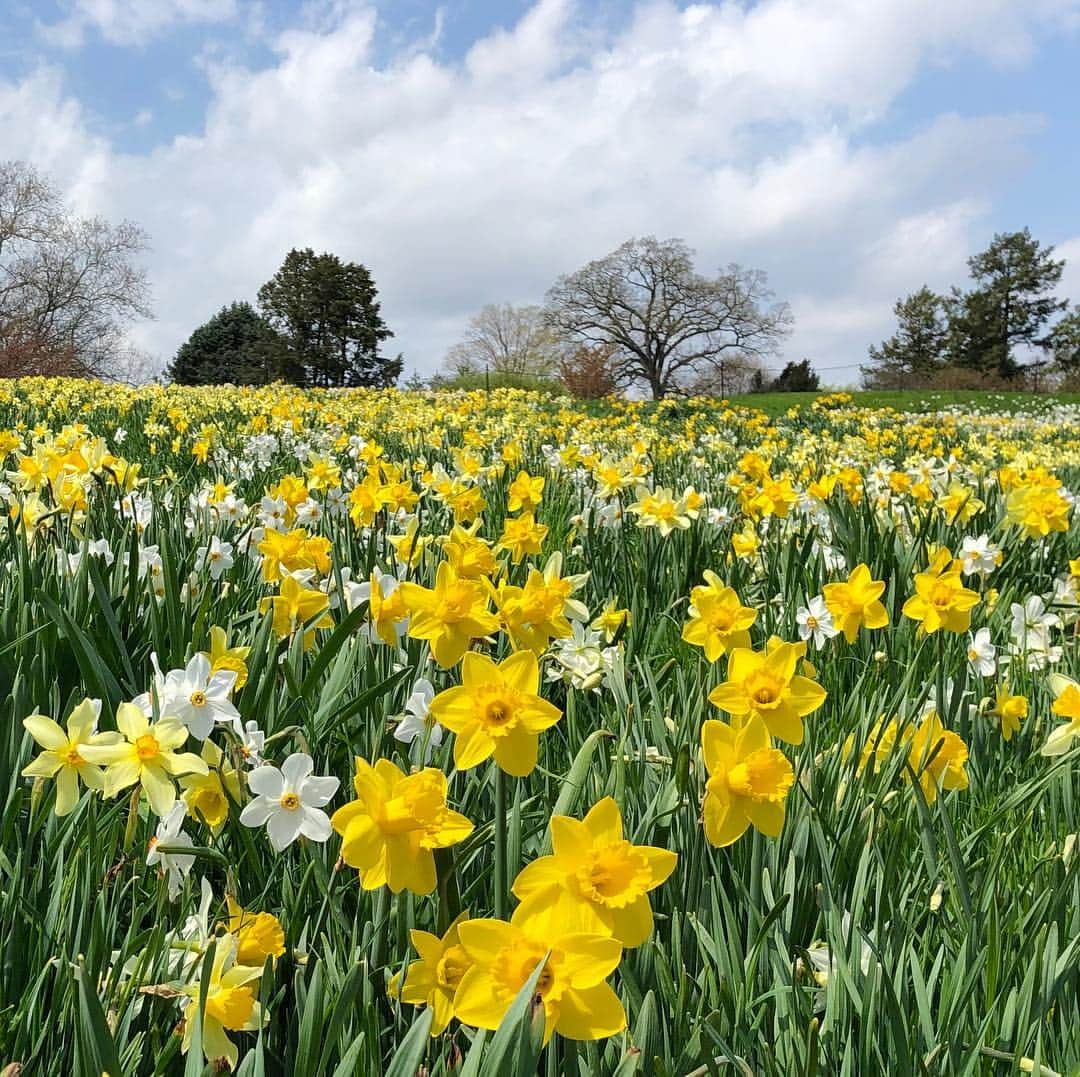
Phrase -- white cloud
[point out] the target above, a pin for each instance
(751, 131)
(131, 22)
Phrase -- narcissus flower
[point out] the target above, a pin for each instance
(230, 1004)
(63, 757)
(1038, 510)
(496, 710)
(938, 757)
(146, 756)
(594, 870)
(294, 606)
(1066, 705)
(1009, 710)
(525, 493)
(577, 1002)
(259, 935)
(205, 795)
(450, 615)
(748, 781)
(289, 801)
(388, 833)
(855, 604)
(657, 508)
(522, 536)
(765, 684)
(226, 659)
(610, 619)
(434, 979)
(719, 622)
(941, 601)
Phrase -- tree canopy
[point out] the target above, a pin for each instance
(236, 345)
(327, 313)
(69, 286)
(666, 322)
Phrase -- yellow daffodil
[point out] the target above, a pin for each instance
(748, 781)
(594, 867)
(522, 536)
(941, 601)
(577, 1001)
(855, 604)
(205, 794)
(434, 979)
(224, 657)
(765, 684)
(719, 622)
(389, 831)
(1066, 705)
(231, 1004)
(496, 710)
(1010, 710)
(938, 757)
(146, 756)
(610, 619)
(525, 493)
(294, 606)
(259, 935)
(450, 615)
(64, 757)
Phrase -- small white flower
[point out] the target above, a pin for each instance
(979, 555)
(719, 516)
(218, 557)
(416, 721)
(288, 800)
(253, 739)
(198, 699)
(982, 654)
(170, 832)
(309, 513)
(815, 621)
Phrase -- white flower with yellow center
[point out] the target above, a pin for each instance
(287, 801)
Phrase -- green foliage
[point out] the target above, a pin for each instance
(916, 350)
(327, 312)
(947, 938)
(237, 345)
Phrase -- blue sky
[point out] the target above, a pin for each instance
(471, 151)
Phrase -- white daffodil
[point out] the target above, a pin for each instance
(979, 556)
(981, 653)
(415, 721)
(815, 622)
(217, 557)
(288, 800)
(197, 698)
(176, 866)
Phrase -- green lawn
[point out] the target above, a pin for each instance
(915, 400)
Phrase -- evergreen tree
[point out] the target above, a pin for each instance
(327, 313)
(1010, 306)
(796, 378)
(916, 350)
(236, 345)
(1063, 343)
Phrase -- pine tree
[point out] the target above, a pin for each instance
(328, 315)
(1010, 306)
(236, 345)
(914, 353)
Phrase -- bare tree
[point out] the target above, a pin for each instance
(505, 339)
(667, 321)
(69, 286)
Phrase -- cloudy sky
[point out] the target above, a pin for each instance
(470, 151)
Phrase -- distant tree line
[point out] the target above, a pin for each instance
(1009, 326)
(641, 318)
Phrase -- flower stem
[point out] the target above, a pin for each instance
(500, 843)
